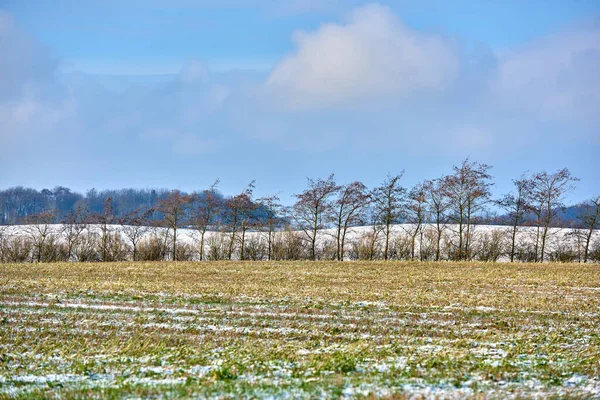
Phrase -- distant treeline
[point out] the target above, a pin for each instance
(18, 204)
(461, 199)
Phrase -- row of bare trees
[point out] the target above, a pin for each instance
(52, 243)
(442, 212)
(455, 202)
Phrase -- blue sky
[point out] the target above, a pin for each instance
(178, 93)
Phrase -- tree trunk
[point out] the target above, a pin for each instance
(387, 237)
(438, 239)
(586, 249)
(468, 235)
(202, 244)
(243, 242)
(314, 237)
(269, 243)
(339, 242)
(460, 236)
(175, 243)
(343, 242)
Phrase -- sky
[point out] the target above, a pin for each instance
(179, 93)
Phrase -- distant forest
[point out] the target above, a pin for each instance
(19, 205)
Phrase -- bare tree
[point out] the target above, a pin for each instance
(271, 220)
(468, 190)
(415, 214)
(40, 231)
(348, 210)
(371, 238)
(239, 212)
(106, 219)
(174, 209)
(206, 212)
(74, 224)
(312, 207)
(438, 206)
(589, 217)
(516, 205)
(547, 193)
(135, 227)
(388, 199)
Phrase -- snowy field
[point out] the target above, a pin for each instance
(561, 242)
(299, 330)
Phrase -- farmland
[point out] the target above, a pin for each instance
(299, 329)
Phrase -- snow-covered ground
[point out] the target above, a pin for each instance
(483, 238)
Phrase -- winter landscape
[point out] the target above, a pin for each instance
(299, 199)
(300, 330)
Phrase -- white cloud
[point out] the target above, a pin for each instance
(373, 54)
(557, 76)
(26, 63)
(351, 81)
(32, 106)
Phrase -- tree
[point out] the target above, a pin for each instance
(206, 212)
(40, 231)
(348, 210)
(468, 190)
(589, 216)
(415, 214)
(174, 209)
(135, 227)
(239, 212)
(388, 199)
(64, 200)
(312, 207)
(371, 238)
(438, 206)
(516, 205)
(271, 219)
(106, 219)
(73, 227)
(547, 193)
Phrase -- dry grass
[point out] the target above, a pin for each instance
(301, 329)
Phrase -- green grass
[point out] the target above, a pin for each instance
(299, 329)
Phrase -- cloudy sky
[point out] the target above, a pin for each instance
(177, 93)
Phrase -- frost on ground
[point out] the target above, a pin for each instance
(299, 330)
(563, 244)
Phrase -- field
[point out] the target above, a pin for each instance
(299, 330)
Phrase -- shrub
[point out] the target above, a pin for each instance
(366, 247)
(17, 249)
(217, 247)
(185, 252)
(87, 248)
(401, 247)
(327, 250)
(490, 246)
(594, 251)
(255, 249)
(427, 245)
(152, 248)
(563, 252)
(53, 250)
(525, 251)
(116, 248)
(289, 245)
